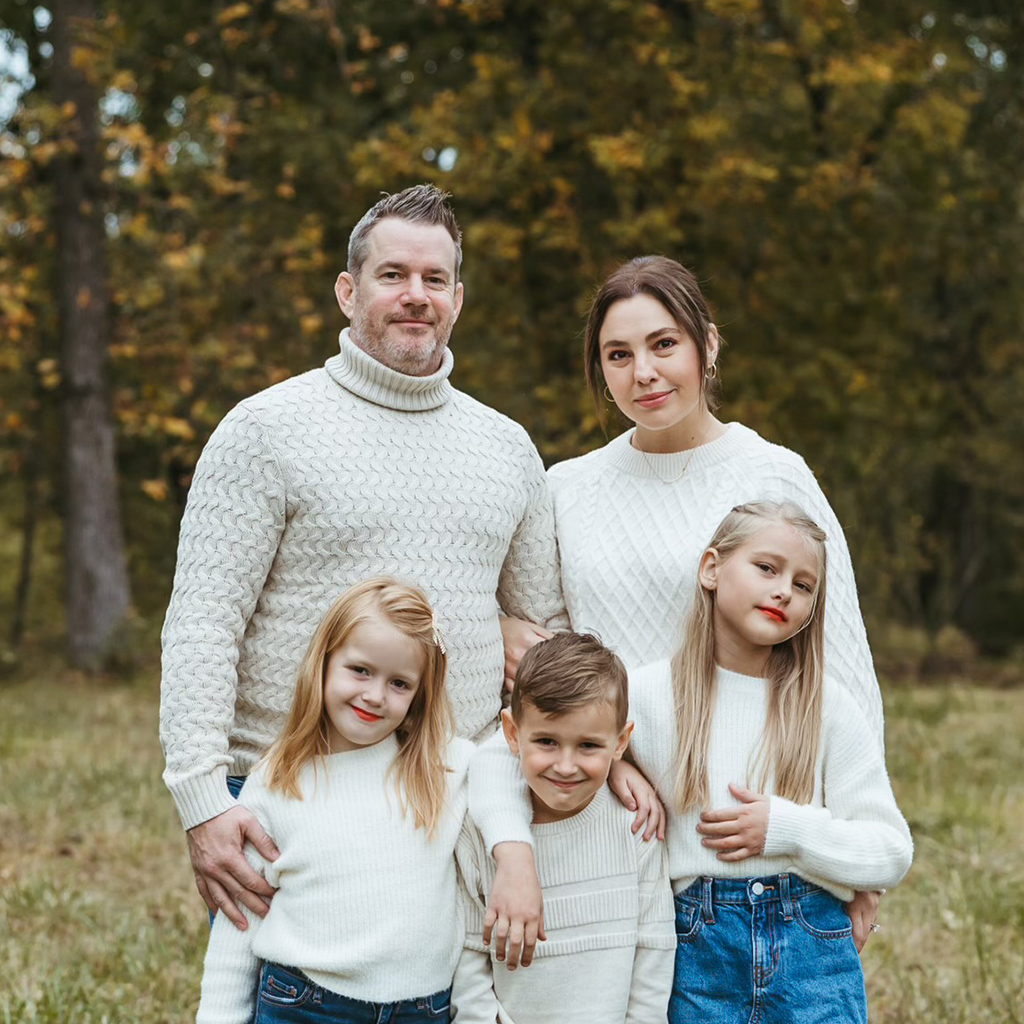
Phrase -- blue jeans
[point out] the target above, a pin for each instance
(287, 996)
(235, 784)
(774, 950)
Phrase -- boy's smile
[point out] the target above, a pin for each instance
(565, 758)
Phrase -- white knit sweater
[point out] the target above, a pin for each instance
(629, 544)
(367, 906)
(344, 472)
(851, 836)
(609, 918)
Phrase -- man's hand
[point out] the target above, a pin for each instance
(863, 913)
(518, 636)
(628, 783)
(515, 913)
(223, 876)
(737, 832)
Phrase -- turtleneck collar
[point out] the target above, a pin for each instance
(361, 374)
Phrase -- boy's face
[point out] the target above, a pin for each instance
(565, 758)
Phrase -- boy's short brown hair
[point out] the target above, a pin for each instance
(570, 671)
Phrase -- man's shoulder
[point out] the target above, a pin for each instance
(477, 416)
(286, 397)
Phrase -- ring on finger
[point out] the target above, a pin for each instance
(874, 927)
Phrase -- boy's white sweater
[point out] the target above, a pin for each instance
(367, 906)
(851, 836)
(632, 525)
(609, 918)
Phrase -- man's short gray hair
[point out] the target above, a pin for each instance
(421, 204)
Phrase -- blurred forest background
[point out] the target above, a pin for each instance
(178, 182)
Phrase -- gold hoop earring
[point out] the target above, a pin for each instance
(608, 394)
(711, 372)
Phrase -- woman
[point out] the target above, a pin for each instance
(633, 517)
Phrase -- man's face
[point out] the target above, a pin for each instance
(405, 302)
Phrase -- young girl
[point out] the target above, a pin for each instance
(364, 795)
(778, 801)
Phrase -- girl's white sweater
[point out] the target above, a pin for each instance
(631, 528)
(851, 836)
(367, 906)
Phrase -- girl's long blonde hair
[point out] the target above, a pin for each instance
(423, 735)
(789, 743)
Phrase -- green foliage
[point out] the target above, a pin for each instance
(843, 177)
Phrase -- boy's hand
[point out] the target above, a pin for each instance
(863, 913)
(737, 832)
(627, 782)
(518, 636)
(515, 912)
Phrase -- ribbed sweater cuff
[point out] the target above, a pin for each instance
(202, 797)
(787, 825)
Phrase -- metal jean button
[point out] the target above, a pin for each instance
(757, 888)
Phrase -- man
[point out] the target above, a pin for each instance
(371, 464)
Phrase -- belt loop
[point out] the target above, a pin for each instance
(787, 902)
(706, 900)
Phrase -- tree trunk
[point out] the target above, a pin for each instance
(98, 594)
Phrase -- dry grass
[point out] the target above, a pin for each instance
(100, 922)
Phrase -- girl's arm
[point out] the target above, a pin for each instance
(859, 838)
(499, 805)
(231, 969)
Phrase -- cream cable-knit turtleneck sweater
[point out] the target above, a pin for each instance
(366, 906)
(348, 471)
(631, 528)
(850, 836)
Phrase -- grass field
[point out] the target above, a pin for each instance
(100, 922)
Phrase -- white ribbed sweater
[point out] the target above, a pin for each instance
(367, 906)
(609, 919)
(851, 836)
(629, 544)
(344, 472)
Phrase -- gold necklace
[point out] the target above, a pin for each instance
(686, 465)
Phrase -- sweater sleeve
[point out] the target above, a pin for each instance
(529, 586)
(654, 959)
(499, 799)
(229, 536)
(859, 838)
(847, 654)
(231, 970)
(473, 998)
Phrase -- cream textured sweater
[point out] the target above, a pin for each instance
(851, 836)
(609, 917)
(630, 542)
(367, 906)
(344, 472)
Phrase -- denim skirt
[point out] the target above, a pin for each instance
(287, 996)
(773, 950)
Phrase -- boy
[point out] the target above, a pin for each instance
(608, 909)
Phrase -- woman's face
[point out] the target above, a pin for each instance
(652, 368)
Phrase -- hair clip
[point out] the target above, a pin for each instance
(438, 641)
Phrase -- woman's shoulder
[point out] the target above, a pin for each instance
(588, 463)
(747, 443)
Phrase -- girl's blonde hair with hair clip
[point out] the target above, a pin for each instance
(424, 734)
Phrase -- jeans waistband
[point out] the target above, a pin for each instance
(783, 889)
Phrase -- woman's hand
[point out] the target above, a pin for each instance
(628, 783)
(737, 832)
(518, 636)
(863, 913)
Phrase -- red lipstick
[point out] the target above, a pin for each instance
(773, 613)
(366, 716)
